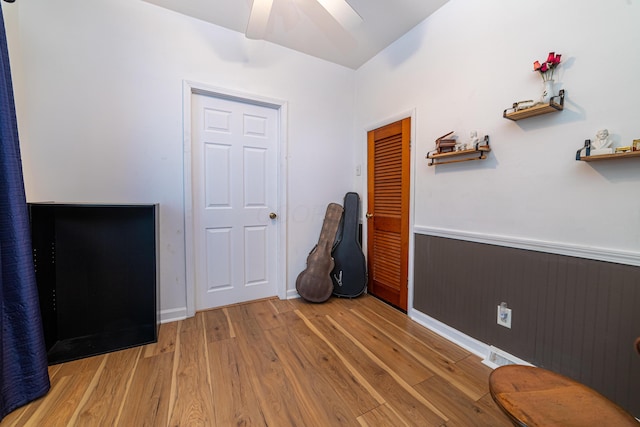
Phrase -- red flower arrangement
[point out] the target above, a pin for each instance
(546, 68)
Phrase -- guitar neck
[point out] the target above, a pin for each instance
(350, 225)
(329, 227)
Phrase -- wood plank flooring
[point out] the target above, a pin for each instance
(275, 363)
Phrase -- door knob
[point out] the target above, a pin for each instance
(369, 215)
(273, 215)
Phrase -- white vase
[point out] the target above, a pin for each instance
(547, 91)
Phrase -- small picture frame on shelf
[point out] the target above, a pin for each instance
(636, 145)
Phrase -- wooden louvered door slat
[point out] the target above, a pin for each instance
(388, 212)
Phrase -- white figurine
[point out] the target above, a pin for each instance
(602, 140)
(473, 140)
(602, 143)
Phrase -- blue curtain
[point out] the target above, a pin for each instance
(23, 358)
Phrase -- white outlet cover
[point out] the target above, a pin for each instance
(506, 323)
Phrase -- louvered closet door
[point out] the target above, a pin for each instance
(388, 212)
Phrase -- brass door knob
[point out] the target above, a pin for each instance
(273, 215)
(369, 215)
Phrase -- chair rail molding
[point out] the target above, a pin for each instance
(588, 252)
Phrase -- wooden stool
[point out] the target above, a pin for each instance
(533, 396)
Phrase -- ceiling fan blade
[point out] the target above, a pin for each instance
(342, 12)
(258, 19)
(327, 26)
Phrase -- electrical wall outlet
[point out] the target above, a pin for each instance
(504, 316)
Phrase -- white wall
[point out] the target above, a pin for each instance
(471, 60)
(98, 89)
(99, 94)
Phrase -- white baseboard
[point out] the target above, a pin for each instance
(471, 344)
(588, 252)
(292, 294)
(173, 315)
(476, 347)
(498, 357)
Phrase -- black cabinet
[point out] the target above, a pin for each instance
(97, 275)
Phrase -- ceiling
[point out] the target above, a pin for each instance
(305, 26)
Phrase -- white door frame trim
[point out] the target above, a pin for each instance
(190, 88)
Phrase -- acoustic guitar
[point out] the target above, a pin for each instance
(314, 284)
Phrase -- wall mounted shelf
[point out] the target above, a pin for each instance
(608, 156)
(476, 153)
(556, 104)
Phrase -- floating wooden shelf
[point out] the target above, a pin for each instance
(556, 104)
(477, 153)
(609, 156)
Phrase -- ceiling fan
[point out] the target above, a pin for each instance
(261, 11)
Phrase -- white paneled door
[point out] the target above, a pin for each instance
(235, 196)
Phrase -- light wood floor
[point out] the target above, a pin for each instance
(275, 363)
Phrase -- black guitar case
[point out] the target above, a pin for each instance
(349, 273)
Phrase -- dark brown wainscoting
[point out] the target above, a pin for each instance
(575, 316)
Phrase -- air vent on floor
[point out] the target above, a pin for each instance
(497, 357)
